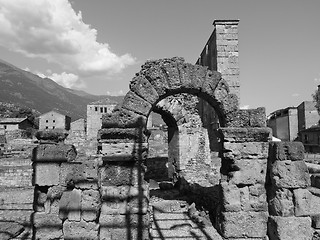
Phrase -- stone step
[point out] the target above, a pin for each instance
(172, 219)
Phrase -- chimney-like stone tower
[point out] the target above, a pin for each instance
(221, 53)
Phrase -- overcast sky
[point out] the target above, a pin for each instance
(99, 45)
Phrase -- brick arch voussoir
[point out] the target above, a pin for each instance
(144, 89)
(137, 104)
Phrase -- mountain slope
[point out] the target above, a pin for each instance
(42, 94)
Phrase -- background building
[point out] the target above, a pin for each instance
(54, 120)
(11, 124)
(287, 123)
(95, 111)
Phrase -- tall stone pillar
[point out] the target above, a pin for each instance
(290, 202)
(124, 192)
(221, 53)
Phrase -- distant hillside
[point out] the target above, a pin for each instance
(43, 94)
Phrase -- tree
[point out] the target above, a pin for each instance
(316, 99)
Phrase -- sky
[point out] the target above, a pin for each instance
(98, 45)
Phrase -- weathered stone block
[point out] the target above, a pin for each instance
(124, 233)
(120, 200)
(244, 224)
(234, 134)
(247, 118)
(172, 72)
(46, 174)
(90, 205)
(70, 205)
(10, 230)
(56, 135)
(121, 173)
(289, 228)
(142, 87)
(133, 102)
(290, 174)
(286, 151)
(302, 202)
(47, 226)
(54, 153)
(130, 150)
(231, 197)
(250, 172)
(211, 82)
(248, 150)
(126, 135)
(281, 202)
(156, 77)
(80, 230)
(129, 221)
(78, 173)
(123, 118)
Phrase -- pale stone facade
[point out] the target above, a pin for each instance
(54, 120)
(95, 111)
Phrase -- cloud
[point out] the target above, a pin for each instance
(68, 80)
(52, 30)
(245, 107)
(295, 95)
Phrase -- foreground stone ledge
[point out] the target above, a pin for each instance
(129, 148)
(129, 220)
(54, 153)
(107, 233)
(247, 118)
(244, 224)
(121, 134)
(289, 228)
(80, 230)
(234, 134)
(290, 174)
(293, 151)
(247, 150)
(123, 118)
(51, 135)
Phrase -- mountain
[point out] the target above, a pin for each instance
(43, 94)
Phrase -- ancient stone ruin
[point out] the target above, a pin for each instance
(239, 185)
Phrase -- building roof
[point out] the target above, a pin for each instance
(12, 120)
(54, 112)
(105, 101)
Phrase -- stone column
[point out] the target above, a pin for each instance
(125, 193)
(288, 196)
(67, 200)
(244, 210)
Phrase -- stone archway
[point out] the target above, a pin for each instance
(161, 78)
(124, 136)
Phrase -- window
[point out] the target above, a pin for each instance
(101, 109)
(105, 110)
(5, 126)
(46, 127)
(54, 121)
(96, 109)
(53, 127)
(47, 121)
